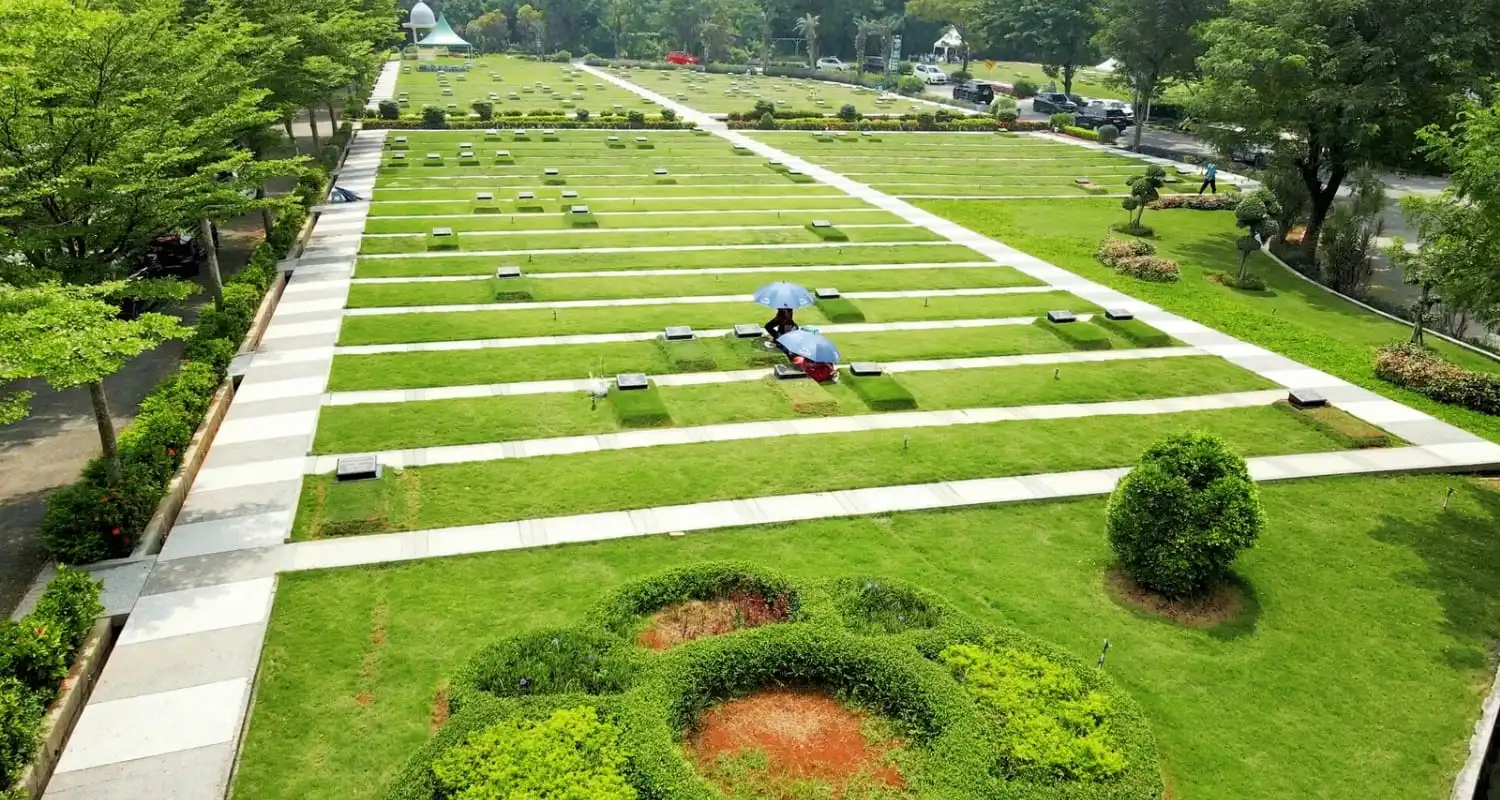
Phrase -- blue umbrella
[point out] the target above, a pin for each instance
(782, 294)
(809, 345)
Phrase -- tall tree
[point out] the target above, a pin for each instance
(1154, 43)
(625, 20)
(490, 31)
(807, 27)
(117, 126)
(968, 17)
(1331, 85)
(531, 24)
(864, 27)
(71, 336)
(1057, 33)
(884, 29)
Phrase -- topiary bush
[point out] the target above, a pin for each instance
(484, 109)
(767, 122)
(434, 117)
(636, 118)
(911, 85)
(668, 115)
(389, 109)
(1062, 120)
(1180, 518)
(582, 115)
(1151, 268)
(848, 113)
(1107, 134)
(1025, 87)
(562, 661)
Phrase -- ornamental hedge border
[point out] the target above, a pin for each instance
(840, 638)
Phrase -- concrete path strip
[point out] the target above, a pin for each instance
(684, 273)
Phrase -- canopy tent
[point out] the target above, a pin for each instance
(442, 35)
(949, 42)
(1109, 65)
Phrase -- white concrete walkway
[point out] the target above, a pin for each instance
(735, 376)
(690, 248)
(807, 426)
(385, 85)
(703, 299)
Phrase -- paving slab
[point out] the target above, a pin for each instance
(160, 616)
(150, 725)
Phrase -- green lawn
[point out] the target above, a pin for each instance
(582, 238)
(444, 496)
(560, 221)
(389, 295)
(441, 326)
(461, 203)
(1357, 672)
(1291, 317)
(516, 75)
(550, 362)
(679, 259)
(396, 426)
(721, 94)
(646, 197)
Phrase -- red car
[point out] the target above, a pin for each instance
(679, 57)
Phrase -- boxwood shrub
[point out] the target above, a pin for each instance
(1414, 367)
(850, 637)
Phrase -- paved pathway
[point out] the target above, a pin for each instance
(734, 376)
(700, 299)
(167, 712)
(809, 426)
(385, 85)
(644, 336)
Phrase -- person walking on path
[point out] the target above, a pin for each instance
(1210, 172)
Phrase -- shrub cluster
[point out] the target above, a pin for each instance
(36, 653)
(1180, 518)
(917, 122)
(580, 119)
(1198, 202)
(93, 520)
(1138, 259)
(1414, 367)
(1086, 134)
(969, 700)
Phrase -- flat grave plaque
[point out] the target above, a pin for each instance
(1306, 398)
(508, 272)
(570, 194)
(550, 171)
(578, 209)
(826, 293)
(442, 231)
(357, 468)
(1118, 314)
(677, 333)
(787, 372)
(865, 368)
(485, 196)
(630, 380)
(1061, 316)
(748, 331)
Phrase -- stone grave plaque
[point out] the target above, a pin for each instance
(570, 194)
(1061, 316)
(434, 156)
(442, 231)
(1118, 314)
(485, 196)
(357, 468)
(526, 196)
(659, 171)
(550, 172)
(630, 380)
(826, 293)
(677, 333)
(508, 272)
(1306, 398)
(400, 140)
(466, 154)
(502, 154)
(865, 368)
(640, 138)
(398, 156)
(748, 331)
(466, 145)
(578, 210)
(787, 372)
(822, 223)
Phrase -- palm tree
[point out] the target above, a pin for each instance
(807, 25)
(884, 29)
(863, 27)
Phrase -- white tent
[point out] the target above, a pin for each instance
(1109, 65)
(950, 41)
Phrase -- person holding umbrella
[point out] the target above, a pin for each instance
(785, 297)
(812, 352)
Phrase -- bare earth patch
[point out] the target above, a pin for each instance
(773, 743)
(696, 619)
(440, 709)
(1220, 606)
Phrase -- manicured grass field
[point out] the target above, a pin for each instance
(443, 496)
(551, 362)
(1291, 317)
(721, 94)
(585, 238)
(1361, 590)
(505, 223)
(817, 255)
(518, 75)
(441, 326)
(685, 284)
(461, 201)
(394, 426)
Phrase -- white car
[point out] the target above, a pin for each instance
(929, 73)
(832, 64)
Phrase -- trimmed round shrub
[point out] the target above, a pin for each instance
(848, 113)
(563, 661)
(572, 751)
(767, 122)
(668, 115)
(1178, 520)
(1062, 120)
(911, 85)
(582, 115)
(622, 611)
(1024, 88)
(874, 606)
(389, 109)
(1107, 134)
(637, 118)
(434, 117)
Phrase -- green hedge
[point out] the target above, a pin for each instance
(1080, 335)
(882, 645)
(36, 653)
(640, 408)
(92, 520)
(880, 392)
(1136, 331)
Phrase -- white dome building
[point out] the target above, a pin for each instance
(420, 20)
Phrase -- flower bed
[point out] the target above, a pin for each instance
(36, 653)
(1421, 370)
(964, 705)
(1138, 259)
(1199, 202)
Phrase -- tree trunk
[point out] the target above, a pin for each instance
(333, 118)
(287, 123)
(211, 250)
(265, 213)
(312, 122)
(1067, 75)
(1420, 317)
(109, 450)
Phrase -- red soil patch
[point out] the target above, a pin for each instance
(685, 622)
(803, 735)
(440, 709)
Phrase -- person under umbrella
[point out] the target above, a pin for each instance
(785, 297)
(813, 353)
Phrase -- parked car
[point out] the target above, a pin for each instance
(1105, 112)
(831, 64)
(1052, 103)
(874, 64)
(930, 73)
(979, 93)
(680, 57)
